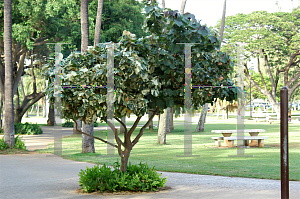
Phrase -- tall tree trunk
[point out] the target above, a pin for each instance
(23, 93)
(168, 118)
(17, 106)
(0, 109)
(163, 4)
(9, 131)
(51, 116)
(122, 129)
(171, 119)
(84, 25)
(183, 3)
(151, 122)
(37, 109)
(200, 126)
(223, 21)
(78, 127)
(44, 107)
(161, 136)
(88, 142)
(98, 22)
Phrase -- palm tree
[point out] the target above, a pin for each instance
(183, 3)
(98, 22)
(87, 142)
(9, 131)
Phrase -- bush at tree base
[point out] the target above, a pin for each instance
(137, 178)
(19, 144)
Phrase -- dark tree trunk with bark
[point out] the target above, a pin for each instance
(9, 131)
(88, 142)
(151, 122)
(51, 117)
(98, 22)
(171, 120)
(0, 110)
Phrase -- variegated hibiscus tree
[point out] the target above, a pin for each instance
(148, 74)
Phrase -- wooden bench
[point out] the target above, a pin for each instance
(218, 140)
(246, 140)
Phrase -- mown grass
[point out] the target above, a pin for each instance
(212, 160)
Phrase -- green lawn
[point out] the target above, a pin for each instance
(212, 160)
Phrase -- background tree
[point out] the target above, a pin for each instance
(273, 38)
(9, 131)
(98, 22)
(202, 118)
(87, 128)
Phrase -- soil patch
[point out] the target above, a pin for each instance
(161, 190)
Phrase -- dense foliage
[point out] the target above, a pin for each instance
(137, 178)
(19, 144)
(27, 129)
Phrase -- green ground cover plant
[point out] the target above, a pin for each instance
(103, 178)
(212, 160)
(27, 129)
(19, 145)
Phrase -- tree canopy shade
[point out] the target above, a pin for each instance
(273, 38)
(149, 74)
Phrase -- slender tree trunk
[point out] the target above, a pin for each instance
(161, 137)
(171, 119)
(44, 107)
(17, 106)
(200, 126)
(9, 131)
(163, 4)
(23, 93)
(0, 110)
(84, 25)
(88, 142)
(51, 117)
(183, 3)
(168, 119)
(151, 122)
(78, 127)
(37, 109)
(98, 22)
(223, 21)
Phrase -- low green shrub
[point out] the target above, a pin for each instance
(27, 129)
(19, 144)
(68, 123)
(137, 178)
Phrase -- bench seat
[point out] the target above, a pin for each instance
(218, 140)
(246, 140)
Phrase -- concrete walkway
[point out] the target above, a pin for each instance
(36, 176)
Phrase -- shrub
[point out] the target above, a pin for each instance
(137, 178)
(68, 123)
(27, 129)
(19, 144)
(1, 131)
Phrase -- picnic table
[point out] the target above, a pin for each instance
(229, 141)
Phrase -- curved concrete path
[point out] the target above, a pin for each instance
(36, 176)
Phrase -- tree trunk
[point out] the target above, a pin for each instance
(78, 127)
(183, 3)
(124, 159)
(223, 21)
(88, 142)
(0, 110)
(17, 106)
(51, 117)
(151, 122)
(23, 93)
(37, 109)
(98, 22)
(84, 25)
(163, 4)
(9, 131)
(200, 126)
(161, 137)
(168, 119)
(171, 119)
(122, 129)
